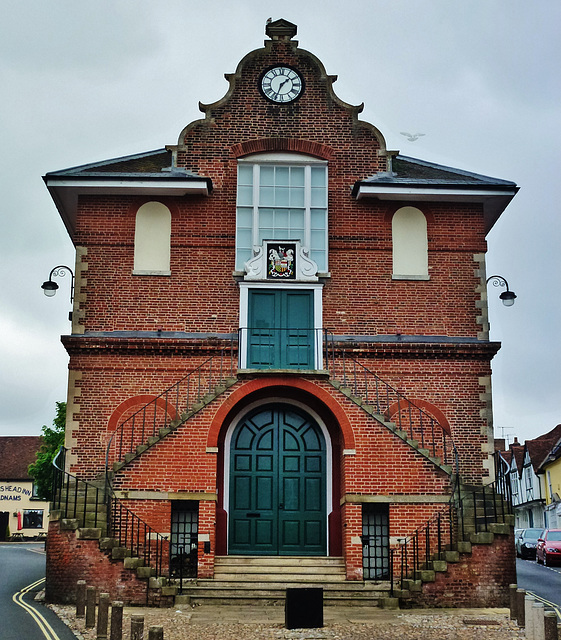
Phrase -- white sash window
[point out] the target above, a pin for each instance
(282, 196)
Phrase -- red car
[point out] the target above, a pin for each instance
(548, 550)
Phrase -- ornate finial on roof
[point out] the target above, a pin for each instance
(280, 29)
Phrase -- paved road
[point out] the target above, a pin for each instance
(21, 618)
(544, 582)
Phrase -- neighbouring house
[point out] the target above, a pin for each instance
(525, 472)
(279, 346)
(22, 514)
(550, 470)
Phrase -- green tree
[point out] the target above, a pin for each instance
(53, 437)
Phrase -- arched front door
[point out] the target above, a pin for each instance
(277, 484)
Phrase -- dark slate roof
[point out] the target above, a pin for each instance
(412, 171)
(16, 454)
(517, 452)
(151, 164)
(540, 448)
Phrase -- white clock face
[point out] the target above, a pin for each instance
(281, 84)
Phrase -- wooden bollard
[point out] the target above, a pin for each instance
(137, 627)
(90, 607)
(520, 597)
(80, 598)
(116, 621)
(156, 633)
(102, 616)
(513, 601)
(551, 631)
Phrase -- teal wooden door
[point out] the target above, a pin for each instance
(277, 484)
(280, 329)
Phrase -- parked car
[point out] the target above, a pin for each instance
(527, 541)
(548, 550)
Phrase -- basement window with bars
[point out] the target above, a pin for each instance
(375, 542)
(282, 196)
(184, 539)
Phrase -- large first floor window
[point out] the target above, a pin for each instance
(284, 197)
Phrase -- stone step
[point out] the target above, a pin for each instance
(280, 561)
(371, 588)
(289, 568)
(355, 594)
(264, 576)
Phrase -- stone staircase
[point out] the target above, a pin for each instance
(240, 580)
(372, 411)
(152, 440)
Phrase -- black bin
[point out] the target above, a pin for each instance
(303, 608)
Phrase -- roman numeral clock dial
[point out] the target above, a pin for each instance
(281, 84)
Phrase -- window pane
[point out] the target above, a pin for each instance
(297, 197)
(245, 174)
(297, 176)
(318, 219)
(281, 196)
(282, 177)
(243, 255)
(281, 219)
(319, 197)
(318, 239)
(266, 196)
(318, 176)
(244, 238)
(245, 218)
(245, 195)
(266, 218)
(297, 219)
(267, 176)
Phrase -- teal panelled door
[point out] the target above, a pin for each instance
(277, 484)
(280, 329)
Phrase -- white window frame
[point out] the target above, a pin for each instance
(287, 160)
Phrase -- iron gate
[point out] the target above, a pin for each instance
(375, 542)
(184, 539)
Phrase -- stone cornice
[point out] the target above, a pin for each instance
(375, 347)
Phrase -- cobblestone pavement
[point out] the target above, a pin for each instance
(341, 623)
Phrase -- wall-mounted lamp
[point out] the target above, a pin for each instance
(507, 296)
(50, 286)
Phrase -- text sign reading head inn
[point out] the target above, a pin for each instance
(13, 492)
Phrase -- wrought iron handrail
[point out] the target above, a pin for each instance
(135, 535)
(468, 511)
(418, 424)
(69, 492)
(178, 400)
(284, 348)
(70, 495)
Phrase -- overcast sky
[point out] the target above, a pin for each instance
(83, 82)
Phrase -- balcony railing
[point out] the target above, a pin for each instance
(283, 348)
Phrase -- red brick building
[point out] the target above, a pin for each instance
(279, 339)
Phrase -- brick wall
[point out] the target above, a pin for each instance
(480, 579)
(70, 559)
